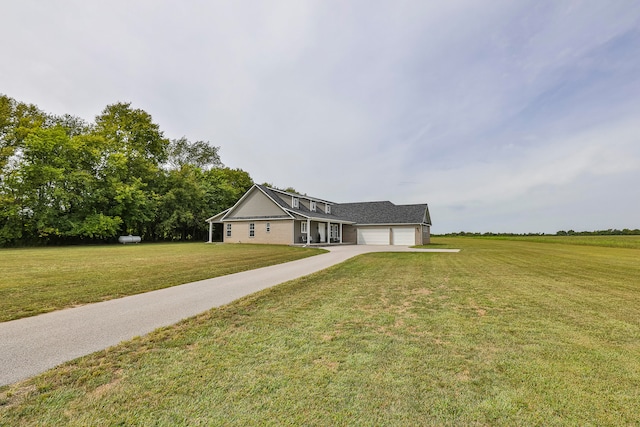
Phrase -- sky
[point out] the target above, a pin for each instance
(504, 116)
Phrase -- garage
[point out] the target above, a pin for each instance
(373, 236)
(403, 236)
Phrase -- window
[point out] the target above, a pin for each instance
(303, 227)
(327, 209)
(252, 229)
(268, 227)
(295, 202)
(312, 206)
(228, 230)
(335, 231)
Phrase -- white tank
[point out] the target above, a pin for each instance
(129, 239)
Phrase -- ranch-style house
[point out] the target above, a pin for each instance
(269, 215)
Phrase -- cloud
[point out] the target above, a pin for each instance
(599, 151)
(488, 111)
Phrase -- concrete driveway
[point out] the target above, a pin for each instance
(32, 345)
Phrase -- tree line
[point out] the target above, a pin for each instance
(609, 232)
(65, 181)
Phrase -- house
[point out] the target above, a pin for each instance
(269, 215)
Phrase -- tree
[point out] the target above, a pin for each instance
(63, 180)
(17, 121)
(200, 154)
(56, 191)
(130, 164)
(225, 187)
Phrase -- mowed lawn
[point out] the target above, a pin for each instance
(630, 242)
(502, 333)
(38, 280)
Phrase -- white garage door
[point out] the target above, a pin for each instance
(403, 236)
(373, 236)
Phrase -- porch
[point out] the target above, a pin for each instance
(313, 232)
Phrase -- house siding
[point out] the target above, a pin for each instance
(281, 232)
(426, 234)
(256, 205)
(349, 234)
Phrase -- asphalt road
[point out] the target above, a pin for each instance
(33, 345)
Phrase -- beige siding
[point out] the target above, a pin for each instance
(256, 204)
(349, 234)
(426, 234)
(419, 235)
(286, 199)
(281, 232)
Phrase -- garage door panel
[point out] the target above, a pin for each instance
(373, 236)
(403, 236)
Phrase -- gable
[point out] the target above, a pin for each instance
(255, 205)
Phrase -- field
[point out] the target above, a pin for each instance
(631, 242)
(34, 281)
(503, 333)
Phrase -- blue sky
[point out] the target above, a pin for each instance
(504, 116)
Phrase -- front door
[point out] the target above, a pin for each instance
(322, 233)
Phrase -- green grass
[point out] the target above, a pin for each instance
(502, 333)
(34, 281)
(631, 242)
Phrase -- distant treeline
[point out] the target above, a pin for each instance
(63, 180)
(609, 232)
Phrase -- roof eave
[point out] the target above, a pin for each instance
(389, 223)
(221, 215)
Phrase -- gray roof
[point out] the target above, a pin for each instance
(302, 210)
(383, 212)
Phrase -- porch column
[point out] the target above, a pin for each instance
(308, 231)
(328, 232)
(210, 232)
(340, 232)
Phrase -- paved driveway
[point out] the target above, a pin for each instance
(32, 345)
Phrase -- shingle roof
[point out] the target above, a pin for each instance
(383, 212)
(302, 210)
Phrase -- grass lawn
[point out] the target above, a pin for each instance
(631, 242)
(38, 280)
(502, 333)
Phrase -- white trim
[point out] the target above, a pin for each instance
(300, 196)
(252, 229)
(295, 202)
(387, 224)
(327, 209)
(255, 186)
(304, 227)
(221, 214)
(256, 219)
(312, 205)
(317, 218)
